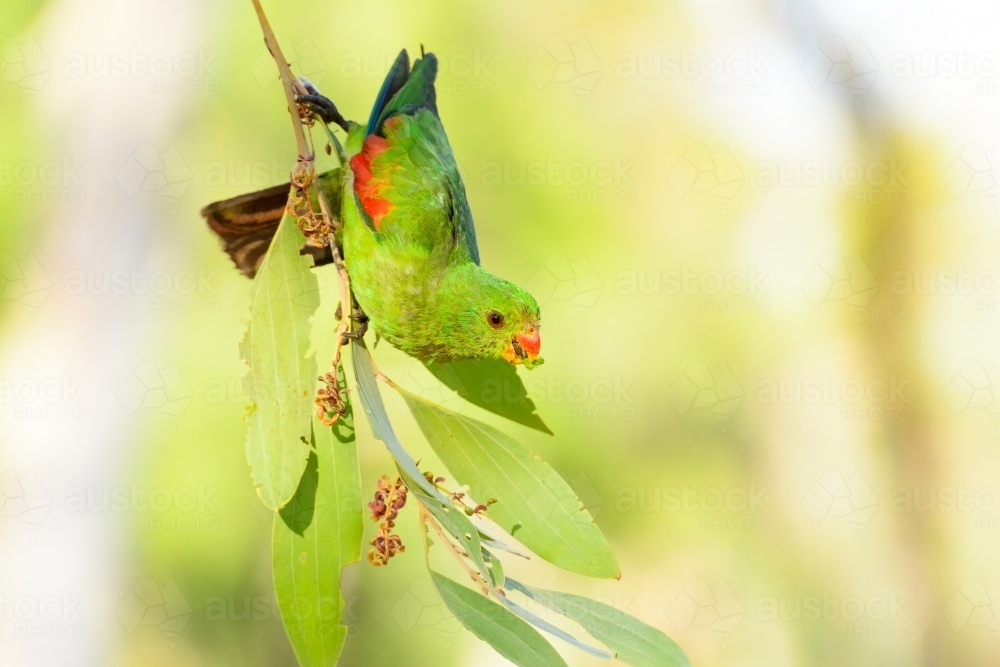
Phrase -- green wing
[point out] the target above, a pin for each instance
(416, 171)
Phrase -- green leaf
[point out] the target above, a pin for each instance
(500, 546)
(499, 580)
(493, 385)
(314, 537)
(542, 624)
(506, 633)
(497, 576)
(634, 642)
(535, 504)
(451, 518)
(378, 420)
(281, 378)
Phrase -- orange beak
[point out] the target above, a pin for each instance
(530, 341)
(525, 345)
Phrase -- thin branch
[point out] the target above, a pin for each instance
(460, 555)
(304, 174)
(305, 171)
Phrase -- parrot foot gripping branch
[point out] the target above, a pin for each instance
(394, 221)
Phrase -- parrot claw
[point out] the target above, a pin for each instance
(320, 105)
(362, 320)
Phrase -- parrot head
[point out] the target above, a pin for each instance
(525, 338)
(488, 317)
(510, 321)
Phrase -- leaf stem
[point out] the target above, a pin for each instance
(426, 518)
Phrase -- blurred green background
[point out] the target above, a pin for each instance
(764, 237)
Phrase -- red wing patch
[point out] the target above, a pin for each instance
(366, 186)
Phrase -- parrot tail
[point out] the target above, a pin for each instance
(247, 223)
(405, 90)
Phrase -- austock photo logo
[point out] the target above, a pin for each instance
(459, 74)
(978, 287)
(47, 617)
(150, 170)
(734, 74)
(303, 53)
(838, 497)
(701, 387)
(704, 170)
(24, 282)
(700, 605)
(975, 387)
(883, 617)
(263, 513)
(184, 291)
(974, 169)
(559, 62)
(24, 500)
(181, 508)
(980, 67)
(23, 63)
(874, 399)
(979, 504)
(183, 74)
(582, 494)
(149, 387)
(586, 182)
(422, 382)
(834, 279)
(256, 174)
(575, 283)
(839, 63)
(592, 399)
(732, 291)
(54, 181)
(974, 607)
(739, 507)
(872, 182)
(421, 609)
(148, 604)
(167, 610)
(585, 490)
(264, 609)
(54, 399)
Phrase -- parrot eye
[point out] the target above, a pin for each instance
(495, 319)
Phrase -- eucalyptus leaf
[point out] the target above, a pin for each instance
(535, 504)
(542, 624)
(281, 377)
(493, 385)
(497, 576)
(456, 523)
(314, 537)
(378, 420)
(510, 636)
(634, 642)
(500, 546)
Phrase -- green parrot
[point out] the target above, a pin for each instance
(409, 240)
(408, 237)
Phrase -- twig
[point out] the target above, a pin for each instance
(305, 170)
(426, 518)
(304, 174)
